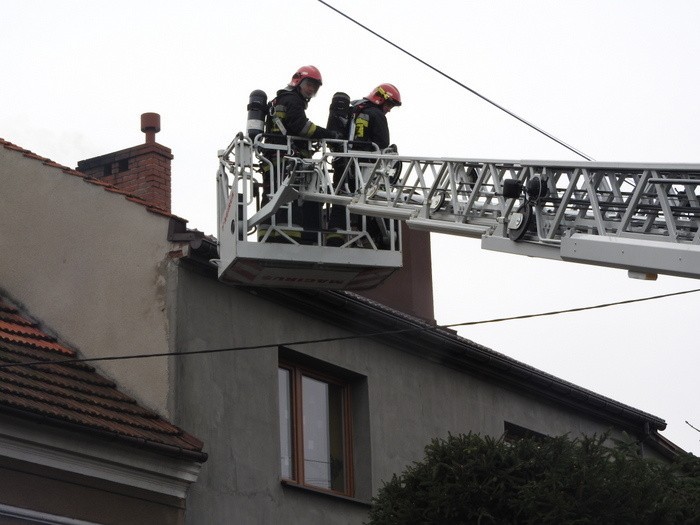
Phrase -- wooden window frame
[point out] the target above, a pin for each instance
(296, 373)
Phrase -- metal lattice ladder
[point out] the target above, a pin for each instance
(640, 217)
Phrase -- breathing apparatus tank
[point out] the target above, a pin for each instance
(339, 114)
(257, 111)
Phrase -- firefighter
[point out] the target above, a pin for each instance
(370, 117)
(288, 117)
(370, 127)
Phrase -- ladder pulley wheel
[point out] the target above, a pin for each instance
(520, 222)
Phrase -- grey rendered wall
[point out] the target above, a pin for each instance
(89, 264)
(229, 399)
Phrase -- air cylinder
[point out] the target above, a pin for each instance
(257, 111)
(339, 114)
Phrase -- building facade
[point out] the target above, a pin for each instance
(305, 400)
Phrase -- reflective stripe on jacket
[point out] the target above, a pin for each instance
(371, 126)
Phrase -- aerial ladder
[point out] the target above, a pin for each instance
(639, 217)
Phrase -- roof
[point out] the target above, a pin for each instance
(91, 180)
(73, 395)
(412, 334)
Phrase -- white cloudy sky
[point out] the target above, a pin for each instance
(616, 79)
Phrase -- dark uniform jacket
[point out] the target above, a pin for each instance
(290, 109)
(371, 126)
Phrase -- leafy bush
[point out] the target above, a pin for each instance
(470, 479)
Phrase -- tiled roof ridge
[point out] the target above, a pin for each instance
(73, 406)
(34, 342)
(69, 367)
(5, 307)
(24, 327)
(24, 375)
(51, 366)
(116, 428)
(69, 171)
(192, 449)
(74, 395)
(9, 316)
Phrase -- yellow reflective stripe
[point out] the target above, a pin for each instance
(383, 93)
(308, 129)
(361, 125)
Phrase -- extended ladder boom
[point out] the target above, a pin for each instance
(640, 217)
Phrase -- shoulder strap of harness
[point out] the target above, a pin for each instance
(273, 115)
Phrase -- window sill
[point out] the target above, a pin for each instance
(334, 495)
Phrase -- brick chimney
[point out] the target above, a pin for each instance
(410, 289)
(143, 171)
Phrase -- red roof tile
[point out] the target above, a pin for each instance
(74, 394)
(35, 342)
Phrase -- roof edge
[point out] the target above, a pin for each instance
(69, 171)
(446, 347)
(153, 446)
(25, 440)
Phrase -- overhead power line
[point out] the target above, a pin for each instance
(473, 91)
(427, 328)
(691, 426)
(579, 309)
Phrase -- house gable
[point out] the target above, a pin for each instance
(72, 394)
(70, 430)
(69, 254)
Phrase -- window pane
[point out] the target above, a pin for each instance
(285, 404)
(337, 438)
(323, 434)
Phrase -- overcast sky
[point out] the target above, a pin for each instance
(617, 80)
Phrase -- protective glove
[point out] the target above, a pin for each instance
(391, 149)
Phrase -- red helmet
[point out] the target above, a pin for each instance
(306, 72)
(385, 93)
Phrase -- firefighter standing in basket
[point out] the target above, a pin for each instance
(369, 122)
(288, 117)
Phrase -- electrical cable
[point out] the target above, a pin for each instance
(426, 328)
(473, 91)
(579, 309)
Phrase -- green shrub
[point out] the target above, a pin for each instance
(470, 479)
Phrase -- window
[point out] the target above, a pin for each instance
(513, 432)
(315, 429)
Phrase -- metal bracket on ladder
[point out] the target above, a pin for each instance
(284, 195)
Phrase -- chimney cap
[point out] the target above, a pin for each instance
(150, 121)
(150, 125)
